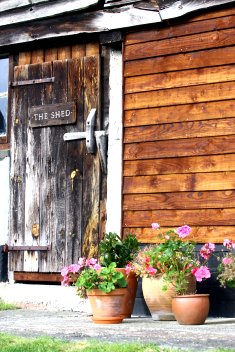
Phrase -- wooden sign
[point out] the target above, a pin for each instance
(54, 114)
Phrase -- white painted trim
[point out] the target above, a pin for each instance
(114, 173)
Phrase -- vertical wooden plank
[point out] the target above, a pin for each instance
(78, 51)
(24, 58)
(50, 54)
(64, 53)
(92, 49)
(32, 181)
(74, 167)
(18, 165)
(91, 167)
(37, 56)
(46, 258)
(58, 171)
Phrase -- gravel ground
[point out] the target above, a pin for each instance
(68, 325)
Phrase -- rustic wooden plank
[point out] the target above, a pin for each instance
(188, 112)
(18, 168)
(58, 170)
(203, 128)
(46, 259)
(183, 78)
(51, 54)
(179, 182)
(190, 27)
(74, 165)
(210, 163)
(199, 234)
(92, 49)
(183, 95)
(78, 51)
(32, 179)
(172, 218)
(42, 9)
(91, 167)
(93, 22)
(37, 277)
(24, 58)
(182, 44)
(184, 147)
(180, 200)
(64, 53)
(37, 56)
(177, 62)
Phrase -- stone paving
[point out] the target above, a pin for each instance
(214, 334)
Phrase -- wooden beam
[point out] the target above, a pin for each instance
(92, 22)
(35, 10)
(39, 277)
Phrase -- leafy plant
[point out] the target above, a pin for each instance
(226, 267)
(175, 258)
(113, 249)
(105, 279)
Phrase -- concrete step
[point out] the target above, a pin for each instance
(50, 297)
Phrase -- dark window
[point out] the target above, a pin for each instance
(4, 65)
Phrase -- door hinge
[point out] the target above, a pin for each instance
(32, 81)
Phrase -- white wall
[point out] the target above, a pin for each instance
(4, 198)
(114, 168)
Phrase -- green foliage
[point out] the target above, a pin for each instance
(115, 250)
(7, 306)
(105, 279)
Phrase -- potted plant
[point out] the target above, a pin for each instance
(113, 249)
(226, 267)
(106, 288)
(170, 268)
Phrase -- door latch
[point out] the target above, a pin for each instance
(93, 139)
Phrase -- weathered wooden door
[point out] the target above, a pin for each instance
(55, 185)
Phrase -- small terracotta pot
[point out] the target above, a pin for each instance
(107, 308)
(132, 282)
(191, 309)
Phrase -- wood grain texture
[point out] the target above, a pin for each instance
(179, 182)
(187, 112)
(178, 160)
(207, 163)
(214, 234)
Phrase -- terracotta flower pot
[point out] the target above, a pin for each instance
(132, 282)
(159, 302)
(191, 309)
(107, 308)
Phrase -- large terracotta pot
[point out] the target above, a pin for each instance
(107, 308)
(159, 302)
(132, 282)
(191, 309)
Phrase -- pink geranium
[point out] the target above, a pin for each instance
(227, 260)
(207, 250)
(201, 273)
(155, 226)
(183, 231)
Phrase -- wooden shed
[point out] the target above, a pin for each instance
(120, 114)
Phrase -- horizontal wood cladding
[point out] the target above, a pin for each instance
(179, 135)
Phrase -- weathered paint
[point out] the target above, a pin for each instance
(5, 197)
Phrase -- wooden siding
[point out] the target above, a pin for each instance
(179, 135)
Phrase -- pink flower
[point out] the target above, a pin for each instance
(74, 268)
(151, 270)
(167, 237)
(155, 226)
(97, 266)
(201, 273)
(206, 250)
(228, 243)
(227, 261)
(183, 231)
(81, 261)
(91, 262)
